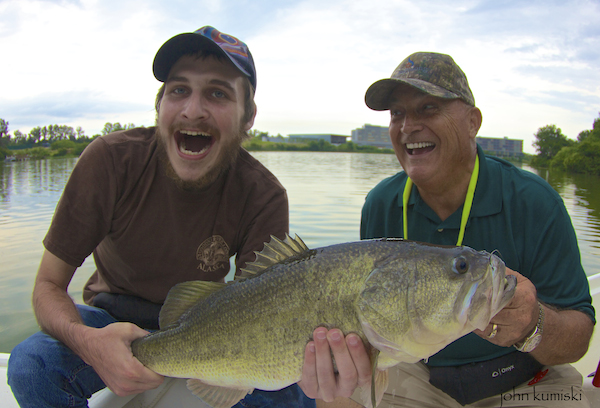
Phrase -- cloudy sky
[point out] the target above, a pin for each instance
(530, 63)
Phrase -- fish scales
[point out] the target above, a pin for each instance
(300, 295)
(406, 299)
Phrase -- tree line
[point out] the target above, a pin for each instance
(255, 143)
(61, 139)
(52, 133)
(555, 150)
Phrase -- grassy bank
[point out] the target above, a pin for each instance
(255, 144)
(61, 148)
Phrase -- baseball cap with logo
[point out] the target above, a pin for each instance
(205, 38)
(433, 73)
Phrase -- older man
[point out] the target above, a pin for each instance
(451, 193)
(156, 207)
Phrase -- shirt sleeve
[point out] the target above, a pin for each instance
(553, 262)
(272, 219)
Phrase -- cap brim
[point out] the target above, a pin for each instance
(378, 96)
(182, 44)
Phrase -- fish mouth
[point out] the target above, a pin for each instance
(193, 144)
(490, 294)
(418, 148)
(504, 285)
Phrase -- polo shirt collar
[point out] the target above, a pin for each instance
(486, 201)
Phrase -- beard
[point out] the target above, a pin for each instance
(228, 154)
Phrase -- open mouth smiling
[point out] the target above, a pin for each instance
(419, 148)
(193, 143)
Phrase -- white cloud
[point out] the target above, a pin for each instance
(83, 63)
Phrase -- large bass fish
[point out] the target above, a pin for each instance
(407, 300)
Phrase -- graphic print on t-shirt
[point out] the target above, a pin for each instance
(213, 254)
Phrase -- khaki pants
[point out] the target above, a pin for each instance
(409, 387)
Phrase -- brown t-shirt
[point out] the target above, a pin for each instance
(146, 234)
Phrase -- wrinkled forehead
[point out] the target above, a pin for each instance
(404, 94)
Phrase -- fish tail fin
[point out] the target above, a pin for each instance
(215, 396)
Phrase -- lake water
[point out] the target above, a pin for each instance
(326, 193)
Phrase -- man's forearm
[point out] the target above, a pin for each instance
(565, 338)
(58, 316)
(54, 309)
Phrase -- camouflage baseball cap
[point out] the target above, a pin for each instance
(433, 73)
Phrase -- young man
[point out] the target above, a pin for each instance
(448, 179)
(156, 207)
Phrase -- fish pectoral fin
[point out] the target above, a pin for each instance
(380, 382)
(215, 396)
(182, 297)
(374, 359)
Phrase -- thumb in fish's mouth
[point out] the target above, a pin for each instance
(510, 286)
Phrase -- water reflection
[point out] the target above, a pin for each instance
(581, 194)
(29, 191)
(327, 190)
(326, 193)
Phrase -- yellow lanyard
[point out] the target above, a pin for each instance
(466, 207)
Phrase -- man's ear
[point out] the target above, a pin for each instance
(250, 123)
(475, 119)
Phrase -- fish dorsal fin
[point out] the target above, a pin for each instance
(182, 297)
(215, 396)
(274, 252)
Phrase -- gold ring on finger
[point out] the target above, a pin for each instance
(494, 331)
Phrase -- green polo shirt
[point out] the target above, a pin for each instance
(515, 213)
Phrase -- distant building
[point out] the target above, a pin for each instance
(370, 135)
(274, 139)
(333, 139)
(501, 147)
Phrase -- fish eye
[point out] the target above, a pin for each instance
(460, 265)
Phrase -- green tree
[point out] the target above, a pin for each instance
(255, 133)
(80, 133)
(114, 127)
(35, 135)
(110, 127)
(549, 141)
(3, 127)
(583, 156)
(79, 148)
(63, 144)
(44, 134)
(4, 136)
(4, 153)
(348, 147)
(38, 153)
(19, 137)
(584, 134)
(593, 133)
(596, 128)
